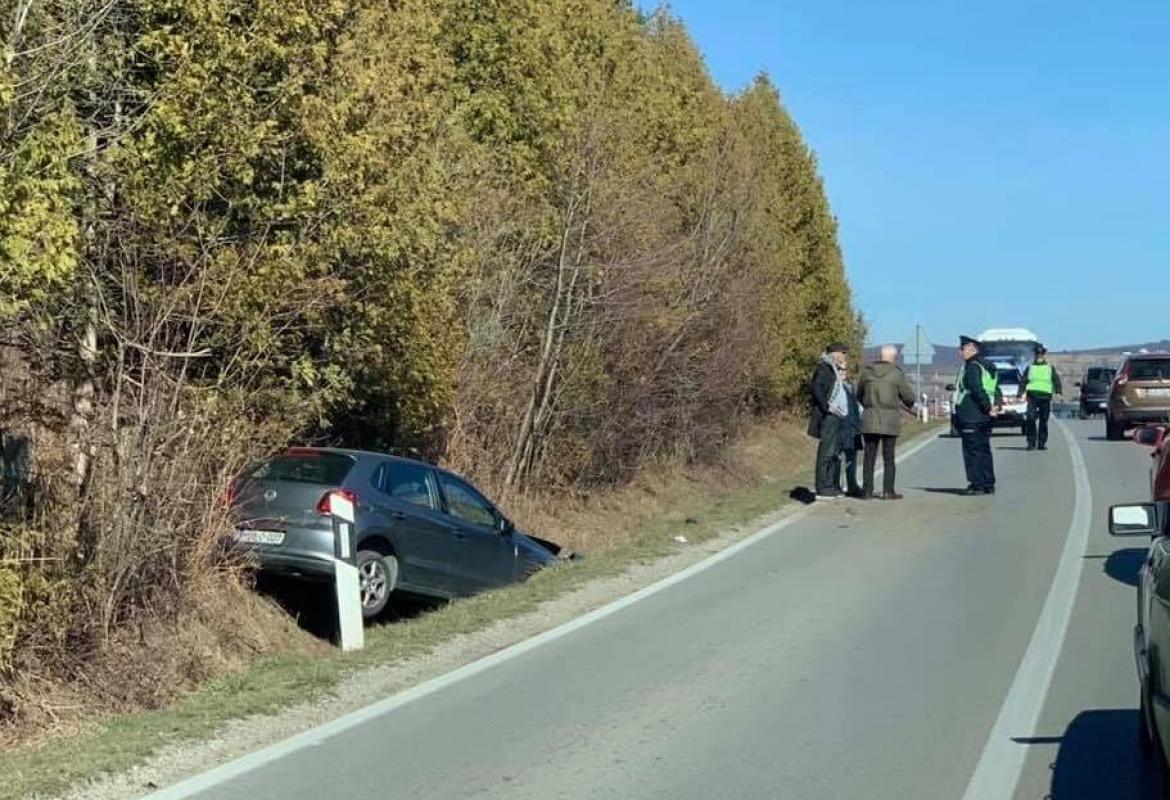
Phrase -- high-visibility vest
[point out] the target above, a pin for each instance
(1040, 379)
(987, 377)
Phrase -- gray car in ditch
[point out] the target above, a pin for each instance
(419, 529)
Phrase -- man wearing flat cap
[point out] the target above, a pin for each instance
(829, 405)
(974, 404)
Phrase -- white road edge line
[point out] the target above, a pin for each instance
(998, 772)
(315, 736)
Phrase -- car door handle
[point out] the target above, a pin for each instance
(398, 515)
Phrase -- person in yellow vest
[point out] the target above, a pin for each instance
(976, 392)
(1040, 383)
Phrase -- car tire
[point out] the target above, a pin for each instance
(1113, 431)
(377, 577)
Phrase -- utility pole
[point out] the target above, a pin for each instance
(918, 362)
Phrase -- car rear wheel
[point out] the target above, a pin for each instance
(1113, 430)
(377, 576)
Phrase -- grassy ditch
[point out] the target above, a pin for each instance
(619, 528)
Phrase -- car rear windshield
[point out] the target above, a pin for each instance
(310, 466)
(1150, 369)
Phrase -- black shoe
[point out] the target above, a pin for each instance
(972, 491)
(1043, 447)
(1031, 447)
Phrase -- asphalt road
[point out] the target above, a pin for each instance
(869, 650)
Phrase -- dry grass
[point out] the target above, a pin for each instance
(768, 454)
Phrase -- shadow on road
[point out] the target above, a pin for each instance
(1012, 447)
(940, 490)
(1099, 757)
(1122, 565)
(313, 606)
(1105, 439)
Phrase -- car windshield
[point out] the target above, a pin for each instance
(1018, 351)
(1010, 376)
(308, 466)
(1101, 374)
(1150, 369)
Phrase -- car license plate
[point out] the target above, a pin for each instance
(1103, 404)
(1158, 392)
(259, 537)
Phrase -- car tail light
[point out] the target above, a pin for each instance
(228, 498)
(323, 505)
(1122, 376)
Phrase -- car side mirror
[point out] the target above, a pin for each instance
(1142, 519)
(1078, 384)
(950, 387)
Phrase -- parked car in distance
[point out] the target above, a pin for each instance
(1140, 393)
(1151, 633)
(1157, 437)
(1014, 407)
(1013, 404)
(1094, 388)
(418, 529)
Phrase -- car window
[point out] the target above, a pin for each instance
(1151, 369)
(466, 503)
(306, 466)
(410, 483)
(1009, 376)
(1100, 374)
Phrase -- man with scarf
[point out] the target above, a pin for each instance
(829, 405)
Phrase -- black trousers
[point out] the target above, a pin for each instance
(829, 455)
(1036, 423)
(977, 455)
(888, 444)
(850, 455)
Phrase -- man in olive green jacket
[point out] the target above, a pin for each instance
(885, 395)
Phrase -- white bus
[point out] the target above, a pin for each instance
(1017, 345)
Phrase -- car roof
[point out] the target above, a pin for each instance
(1147, 356)
(343, 451)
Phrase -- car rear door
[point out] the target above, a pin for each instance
(424, 538)
(483, 556)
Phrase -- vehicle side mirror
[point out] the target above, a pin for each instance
(950, 387)
(504, 525)
(1143, 519)
(1078, 384)
(1149, 435)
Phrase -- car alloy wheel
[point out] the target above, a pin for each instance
(376, 581)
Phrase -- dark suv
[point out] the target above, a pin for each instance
(419, 528)
(1140, 393)
(1095, 390)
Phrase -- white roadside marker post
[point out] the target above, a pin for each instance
(346, 581)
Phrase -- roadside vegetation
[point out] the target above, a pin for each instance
(528, 238)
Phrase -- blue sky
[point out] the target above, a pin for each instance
(991, 163)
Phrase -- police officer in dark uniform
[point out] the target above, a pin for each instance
(1040, 383)
(974, 403)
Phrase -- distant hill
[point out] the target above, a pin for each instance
(947, 357)
(1163, 345)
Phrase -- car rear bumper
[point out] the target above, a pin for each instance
(1137, 416)
(306, 564)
